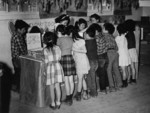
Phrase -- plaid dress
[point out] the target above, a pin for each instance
(54, 70)
(68, 65)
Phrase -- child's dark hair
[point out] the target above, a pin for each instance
(75, 34)
(80, 21)
(62, 18)
(61, 28)
(35, 29)
(69, 29)
(96, 16)
(121, 28)
(91, 32)
(130, 25)
(19, 24)
(49, 38)
(109, 27)
(96, 27)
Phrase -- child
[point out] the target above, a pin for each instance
(18, 48)
(91, 47)
(81, 26)
(61, 20)
(108, 30)
(102, 78)
(124, 58)
(54, 71)
(82, 63)
(65, 43)
(95, 18)
(130, 27)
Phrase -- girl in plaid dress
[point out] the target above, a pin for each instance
(65, 43)
(54, 71)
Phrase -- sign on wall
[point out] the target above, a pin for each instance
(42, 23)
(101, 7)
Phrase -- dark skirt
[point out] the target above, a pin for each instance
(68, 65)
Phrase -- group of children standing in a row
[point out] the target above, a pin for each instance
(101, 61)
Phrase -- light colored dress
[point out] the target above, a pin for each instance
(81, 59)
(124, 58)
(54, 71)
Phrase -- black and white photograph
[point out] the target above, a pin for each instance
(74, 56)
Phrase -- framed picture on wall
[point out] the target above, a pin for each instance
(2, 5)
(101, 7)
(53, 8)
(19, 5)
(77, 8)
(122, 7)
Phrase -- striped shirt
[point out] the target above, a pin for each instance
(101, 44)
(110, 40)
(18, 46)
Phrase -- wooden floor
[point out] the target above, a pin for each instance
(133, 99)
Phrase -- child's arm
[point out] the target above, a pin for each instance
(79, 47)
(80, 50)
(59, 52)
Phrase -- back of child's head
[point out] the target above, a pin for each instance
(130, 25)
(72, 30)
(109, 27)
(91, 32)
(49, 38)
(79, 22)
(35, 29)
(61, 28)
(69, 29)
(121, 28)
(96, 26)
(19, 24)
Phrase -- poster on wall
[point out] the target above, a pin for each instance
(101, 7)
(53, 8)
(2, 5)
(43, 24)
(77, 8)
(122, 7)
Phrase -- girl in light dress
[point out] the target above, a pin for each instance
(81, 59)
(124, 58)
(54, 71)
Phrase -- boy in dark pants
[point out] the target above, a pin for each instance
(114, 75)
(102, 58)
(18, 48)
